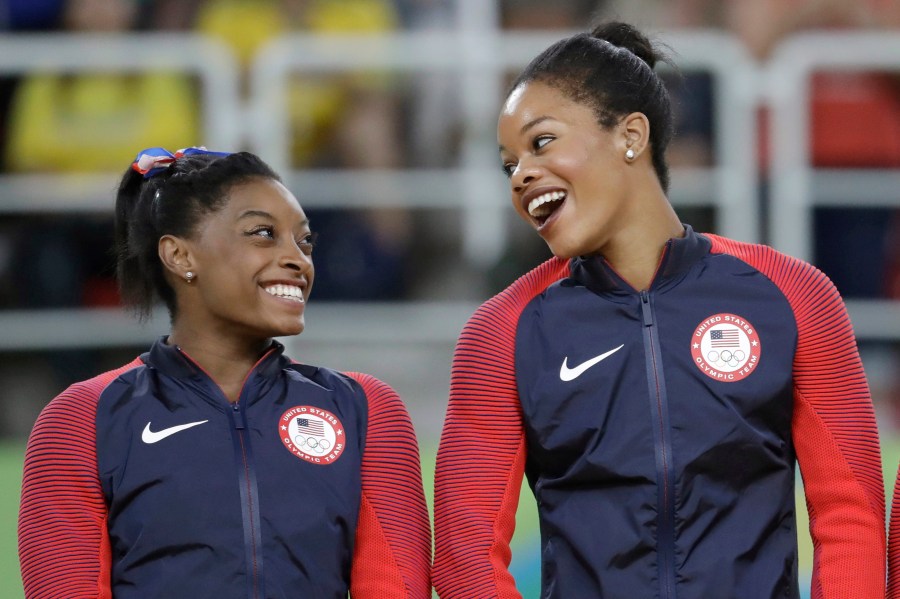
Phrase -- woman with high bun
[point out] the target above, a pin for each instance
(657, 386)
(214, 465)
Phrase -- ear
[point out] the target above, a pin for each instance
(635, 130)
(175, 254)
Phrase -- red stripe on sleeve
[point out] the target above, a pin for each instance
(392, 557)
(834, 429)
(481, 458)
(63, 545)
(894, 544)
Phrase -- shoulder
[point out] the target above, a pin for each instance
(813, 298)
(387, 414)
(71, 415)
(370, 384)
(785, 271)
(365, 388)
(84, 395)
(508, 304)
(335, 380)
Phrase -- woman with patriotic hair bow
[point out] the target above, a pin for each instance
(213, 465)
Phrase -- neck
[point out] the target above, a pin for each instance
(637, 247)
(227, 360)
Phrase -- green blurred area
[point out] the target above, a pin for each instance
(11, 455)
(525, 546)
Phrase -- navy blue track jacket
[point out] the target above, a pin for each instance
(147, 483)
(659, 431)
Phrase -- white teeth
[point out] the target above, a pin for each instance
(291, 292)
(550, 196)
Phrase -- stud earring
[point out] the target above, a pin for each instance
(189, 276)
(629, 154)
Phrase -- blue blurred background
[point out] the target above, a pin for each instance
(381, 115)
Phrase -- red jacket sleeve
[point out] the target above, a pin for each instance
(834, 431)
(481, 458)
(63, 545)
(392, 556)
(893, 591)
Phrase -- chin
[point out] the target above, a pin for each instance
(294, 328)
(562, 251)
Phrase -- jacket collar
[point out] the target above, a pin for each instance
(170, 360)
(680, 254)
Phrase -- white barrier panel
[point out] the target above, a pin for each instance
(208, 59)
(481, 191)
(795, 184)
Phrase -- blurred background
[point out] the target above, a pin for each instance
(381, 116)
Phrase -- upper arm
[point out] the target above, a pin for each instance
(62, 516)
(392, 557)
(836, 439)
(480, 464)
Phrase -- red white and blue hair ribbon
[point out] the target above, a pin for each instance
(153, 161)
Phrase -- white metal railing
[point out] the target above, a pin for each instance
(480, 57)
(797, 187)
(209, 60)
(365, 323)
(474, 186)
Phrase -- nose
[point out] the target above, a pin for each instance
(525, 174)
(294, 258)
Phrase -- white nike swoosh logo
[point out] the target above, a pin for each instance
(149, 436)
(570, 374)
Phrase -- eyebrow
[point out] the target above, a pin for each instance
(534, 123)
(531, 125)
(263, 214)
(254, 213)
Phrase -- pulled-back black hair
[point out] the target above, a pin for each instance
(170, 203)
(611, 71)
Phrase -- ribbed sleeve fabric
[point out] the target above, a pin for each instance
(392, 556)
(893, 590)
(481, 458)
(63, 545)
(834, 429)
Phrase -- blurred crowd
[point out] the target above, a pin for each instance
(52, 122)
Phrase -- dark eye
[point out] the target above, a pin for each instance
(265, 231)
(508, 168)
(307, 243)
(542, 140)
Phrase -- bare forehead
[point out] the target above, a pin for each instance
(528, 96)
(264, 196)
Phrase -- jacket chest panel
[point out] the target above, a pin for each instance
(180, 484)
(585, 388)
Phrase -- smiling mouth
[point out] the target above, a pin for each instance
(288, 292)
(543, 206)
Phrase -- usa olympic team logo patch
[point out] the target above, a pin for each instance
(726, 347)
(312, 434)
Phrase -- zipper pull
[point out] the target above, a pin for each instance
(646, 313)
(240, 422)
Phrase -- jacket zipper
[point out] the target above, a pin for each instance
(663, 444)
(249, 502)
(249, 489)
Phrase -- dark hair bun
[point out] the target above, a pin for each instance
(626, 36)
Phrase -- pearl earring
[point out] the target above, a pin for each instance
(189, 276)
(629, 154)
